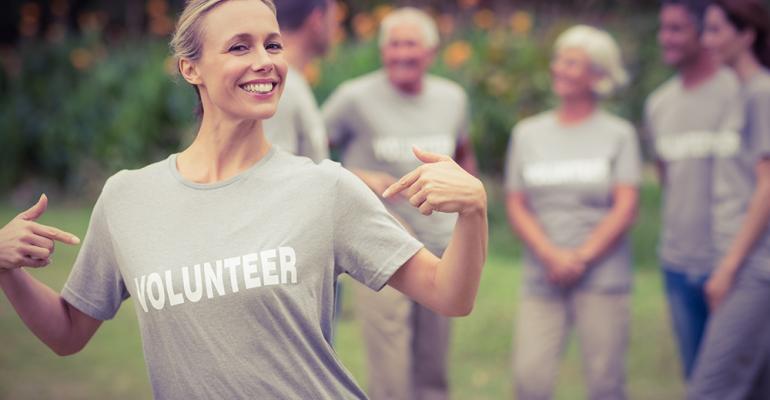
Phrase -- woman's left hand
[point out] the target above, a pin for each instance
(440, 184)
(717, 287)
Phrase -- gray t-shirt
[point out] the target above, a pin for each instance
(568, 174)
(233, 282)
(376, 126)
(734, 174)
(297, 125)
(689, 127)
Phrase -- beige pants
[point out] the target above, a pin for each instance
(601, 321)
(406, 346)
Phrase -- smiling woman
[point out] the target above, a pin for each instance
(256, 325)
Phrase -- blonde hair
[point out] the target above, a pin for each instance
(603, 52)
(187, 41)
(410, 15)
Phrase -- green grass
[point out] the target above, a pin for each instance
(112, 365)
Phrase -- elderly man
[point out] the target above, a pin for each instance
(307, 29)
(375, 120)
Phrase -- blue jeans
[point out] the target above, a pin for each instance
(689, 312)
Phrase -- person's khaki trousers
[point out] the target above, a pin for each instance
(406, 346)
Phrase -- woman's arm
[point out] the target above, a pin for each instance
(63, 328)
(25, 243)
(447, 285)
(620, 218)
(755, 223)
(563, 265)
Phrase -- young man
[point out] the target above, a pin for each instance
(689, 117)
(375, 120)
(307, 29)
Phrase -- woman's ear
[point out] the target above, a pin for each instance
(189, 71)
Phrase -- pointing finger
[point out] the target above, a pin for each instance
(55, 234)
(403, 183)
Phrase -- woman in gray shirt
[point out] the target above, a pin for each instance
(571, 178)
(735, 345)
(231, 248)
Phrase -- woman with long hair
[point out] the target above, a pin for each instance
(735, 345)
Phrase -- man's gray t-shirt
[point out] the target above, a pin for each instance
(297, 125)
(735, 175)
(568, 174)
(690, 127)
(233, 282)
(376, 125)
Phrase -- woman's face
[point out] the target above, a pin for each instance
(678, 35)
(572, 74)
(721, 38)
(241, 70)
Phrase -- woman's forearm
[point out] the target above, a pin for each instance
(613, 226)
(459, 271)
(61, 327)
(755, 222)
(526, 226)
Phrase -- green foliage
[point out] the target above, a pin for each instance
(73, 101)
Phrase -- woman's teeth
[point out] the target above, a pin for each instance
(258, 87)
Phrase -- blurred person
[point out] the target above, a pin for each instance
(572, 179)
(24, 241)
(231, 248)
(375, 120)
(307, 29)
(688, 117)
(735, 346)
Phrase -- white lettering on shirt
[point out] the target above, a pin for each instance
(267, 267)
(563, 172)
(394, 149)
(698, 144)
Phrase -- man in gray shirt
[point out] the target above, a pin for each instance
(307, 28)
(376, 119)
(691, 119)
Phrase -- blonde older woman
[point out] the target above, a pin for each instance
(571, 181)
(231, 248)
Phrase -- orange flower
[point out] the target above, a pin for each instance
(446, 24)
(381, 11)
(484, 19)
(465, 4)
(364, 26)
(81, 58)
(312, 73)
(457, 54)
(157, 8)
(521, 23)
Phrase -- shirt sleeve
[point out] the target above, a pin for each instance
(758, 112)
(369, 244)
(628, 164)
(95, 285)
(513, 163)
(335, 112)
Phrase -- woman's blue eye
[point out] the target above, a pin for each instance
(239, 47)
(274, 46)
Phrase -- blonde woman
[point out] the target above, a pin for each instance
(231, 248)
(572, 176)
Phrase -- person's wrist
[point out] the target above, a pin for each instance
(477, 206)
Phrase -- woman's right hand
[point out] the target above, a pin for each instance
(25, 243)
(565, 267)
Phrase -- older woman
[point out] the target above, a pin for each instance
(735, 345)
(231, 248)
(571, 178)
